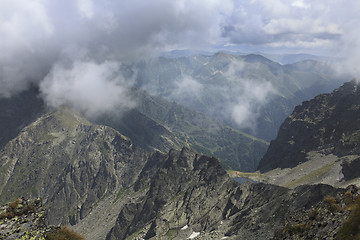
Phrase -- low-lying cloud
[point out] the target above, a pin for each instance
(36, 35)
(89, 87)
(249, 103)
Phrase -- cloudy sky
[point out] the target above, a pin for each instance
(42, 38)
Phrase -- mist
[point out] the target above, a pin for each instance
(38, 36)
(88, 87)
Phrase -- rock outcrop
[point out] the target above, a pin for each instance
(190, 196)
(329, 123)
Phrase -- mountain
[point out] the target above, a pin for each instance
(219, 84)
(328, 123)
(317, 143)
(155, 124)
(207, 204)
(69, 162)
(82, 171)
(294, 58)
(97, 180)
(235, 150)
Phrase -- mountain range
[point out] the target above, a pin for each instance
(222, 84)
(152, 172)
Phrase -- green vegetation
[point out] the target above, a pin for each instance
(64, 233)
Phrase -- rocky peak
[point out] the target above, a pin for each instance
(69, 162)
(329, 123)
(199, 200)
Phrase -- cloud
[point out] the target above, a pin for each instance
(186, 88)
(311, 26)
(252, 94)
(35, 34)
(89, 87)
(247, 108)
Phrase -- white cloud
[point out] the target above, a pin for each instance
(34, 34)
(86, 8)
(247, 108)
(89, 87)
(301, 4)
(185, 89)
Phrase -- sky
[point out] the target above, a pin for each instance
(41, 39)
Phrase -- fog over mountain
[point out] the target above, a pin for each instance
(67, 40)
(146, 119)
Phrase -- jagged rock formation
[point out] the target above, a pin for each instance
(328, 124)
(191, 196)
(94, 178)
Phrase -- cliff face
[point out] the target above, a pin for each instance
(329, 123)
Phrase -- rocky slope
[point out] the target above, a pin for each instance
(191, 197)
(68, 162)
(97, 180)
(26, 219)
(23, 219)
(84, 172)
(329, 124)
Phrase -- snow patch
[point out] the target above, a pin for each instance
(185, 227)
(194, 235)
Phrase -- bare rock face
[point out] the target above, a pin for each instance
(350, 169)
(68, 162)
(191, 196)
(328, 123)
